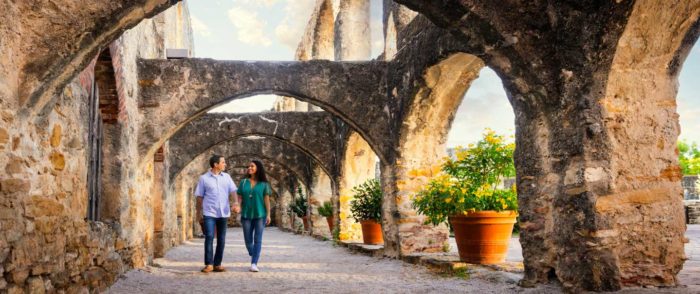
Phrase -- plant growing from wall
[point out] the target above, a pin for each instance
(367, 202)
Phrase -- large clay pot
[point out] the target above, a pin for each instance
(371, 232)
(482, 237)
(329, 219)
(306, 222)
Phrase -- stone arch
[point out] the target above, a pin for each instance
(312, 132)
(420, 147)
(49, 66)
(174, 92)
(639, 110)
(591, 173)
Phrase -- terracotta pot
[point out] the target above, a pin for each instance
(306, 222)
(482, 237)
(371, 232)
(329, 219)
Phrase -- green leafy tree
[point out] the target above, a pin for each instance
(689, 157)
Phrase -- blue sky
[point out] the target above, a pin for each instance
(271, 30)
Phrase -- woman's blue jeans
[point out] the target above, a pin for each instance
(211, 224)
(252, 234)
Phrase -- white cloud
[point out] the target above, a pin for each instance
(377, 29)
(689, 116)
(256, 3)
(250, 28)
(485, 105)
(199, 27)
(291, 28)
(258, 103)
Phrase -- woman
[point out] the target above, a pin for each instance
(254, 195)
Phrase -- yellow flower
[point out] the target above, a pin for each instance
(448, 200)
(461, 200)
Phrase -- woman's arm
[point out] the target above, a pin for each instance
(267, 209)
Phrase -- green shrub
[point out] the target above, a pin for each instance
(367, 202)
(326, 209)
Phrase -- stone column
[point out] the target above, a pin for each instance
(352, 33)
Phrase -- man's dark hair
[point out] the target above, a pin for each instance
(214, 159)
(259, 171)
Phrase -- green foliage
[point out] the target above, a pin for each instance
(299, 205)
(689, 158)
(326, 209)
(471, 182)
(367, 202)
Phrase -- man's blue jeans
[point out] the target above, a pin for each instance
(252, 234)
(211, 224)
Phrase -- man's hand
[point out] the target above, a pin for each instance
(236, 208)
(267, 220)
(200, 219)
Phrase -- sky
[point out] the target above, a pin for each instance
(271, 30)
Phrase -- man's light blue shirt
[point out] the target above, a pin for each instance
(214, 190)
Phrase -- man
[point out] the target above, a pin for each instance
(216, 198)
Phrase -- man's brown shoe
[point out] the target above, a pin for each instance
(207, 269)
(219, 269)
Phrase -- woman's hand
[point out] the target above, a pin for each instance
(267, 220)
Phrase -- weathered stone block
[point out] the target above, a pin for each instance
(35, 285)
(58, 161)
(38, 206)
(14, 186)
(56, 135)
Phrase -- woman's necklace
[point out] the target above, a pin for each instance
(251, 189)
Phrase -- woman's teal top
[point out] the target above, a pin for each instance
(253, 205)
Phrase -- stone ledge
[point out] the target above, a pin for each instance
(371, 250)
(449, 264)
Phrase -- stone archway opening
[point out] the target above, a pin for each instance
(358, 164)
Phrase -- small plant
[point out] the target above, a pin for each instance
(336, 234)
(299, 205)
(472, 182)
(326, 209)
(367, 204)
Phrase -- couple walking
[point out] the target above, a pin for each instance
(217, 196)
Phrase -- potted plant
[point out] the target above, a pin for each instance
(469, 195)
(326, 210)
(366, 208)
(300, 207)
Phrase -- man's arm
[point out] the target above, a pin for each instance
(235, 201)
(200, 217)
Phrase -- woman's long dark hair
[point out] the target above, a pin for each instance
(259, 171)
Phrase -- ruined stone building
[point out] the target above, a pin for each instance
(101, 134)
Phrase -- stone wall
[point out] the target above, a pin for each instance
(46, 244)
(691, 187)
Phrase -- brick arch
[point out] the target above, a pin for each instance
(314, 133)
(173, 92)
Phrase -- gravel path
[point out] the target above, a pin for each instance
(291, 264)
(300, 264)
